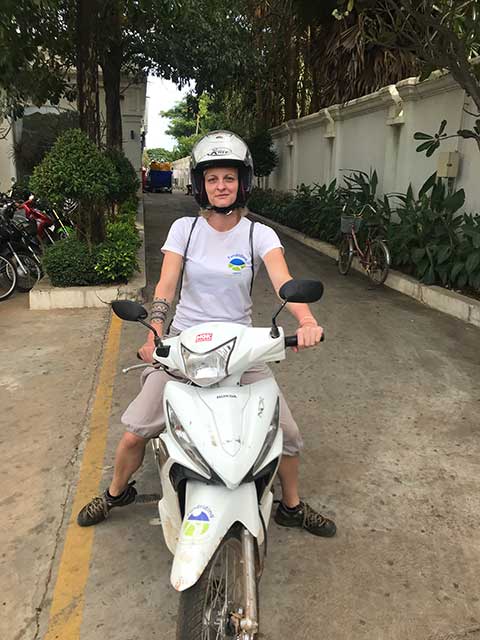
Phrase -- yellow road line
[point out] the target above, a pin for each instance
(68, 597)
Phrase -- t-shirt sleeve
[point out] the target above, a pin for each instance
(177, 236)
(265, 239)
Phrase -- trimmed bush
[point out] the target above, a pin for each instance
(74, 168)
(69, 263)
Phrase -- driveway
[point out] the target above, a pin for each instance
(389, 409)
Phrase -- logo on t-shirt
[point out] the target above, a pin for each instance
(237, 262)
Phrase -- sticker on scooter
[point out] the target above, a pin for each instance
(204, 337)
(198, 522)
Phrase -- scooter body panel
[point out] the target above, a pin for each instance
(228, 425)
(210, 511)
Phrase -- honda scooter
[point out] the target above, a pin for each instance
(217, 459)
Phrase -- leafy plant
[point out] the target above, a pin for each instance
(432, 142)
(116, 258)
(428, 236)
(74, 168)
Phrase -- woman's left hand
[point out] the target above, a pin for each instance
(308, 335)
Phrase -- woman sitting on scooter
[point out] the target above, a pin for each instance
(214, 257)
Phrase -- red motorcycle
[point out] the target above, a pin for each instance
(49, 229)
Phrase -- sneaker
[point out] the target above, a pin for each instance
(98, 509)
(304, 517)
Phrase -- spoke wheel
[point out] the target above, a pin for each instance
(213, 607)
(8, 278)
(379, 263)
(28, 272)
(345, 255)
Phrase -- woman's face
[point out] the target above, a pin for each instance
(221, 185)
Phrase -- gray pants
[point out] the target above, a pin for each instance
(145, 418)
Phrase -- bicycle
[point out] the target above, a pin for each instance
(374, 258)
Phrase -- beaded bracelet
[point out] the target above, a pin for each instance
(160, 309)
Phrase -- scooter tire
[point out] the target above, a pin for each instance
(195, 615)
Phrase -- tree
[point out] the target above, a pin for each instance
(87, 68)
(32, 70)
(442, 35)
(191, 118)
(75, 169)
(265, 159)
(159, 155)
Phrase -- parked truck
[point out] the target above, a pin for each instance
(159, 177)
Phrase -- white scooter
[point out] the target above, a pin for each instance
(217, 460)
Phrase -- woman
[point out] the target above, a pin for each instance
(215, 257)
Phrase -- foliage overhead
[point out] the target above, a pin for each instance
(158, 154)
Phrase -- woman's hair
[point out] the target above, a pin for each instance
(206, 213)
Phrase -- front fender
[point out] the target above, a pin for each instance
(210, 511)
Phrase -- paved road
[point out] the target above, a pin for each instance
(389, 410)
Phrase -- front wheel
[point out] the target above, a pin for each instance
(379, 262)
(8, 278)
(213, 608)
(345, 255)
(28, 271)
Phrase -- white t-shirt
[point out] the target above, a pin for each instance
(218, 270)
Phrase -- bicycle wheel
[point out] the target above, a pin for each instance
(28, 271)
(8, 278)
(345, 255)
(213, 607)
(379, 262)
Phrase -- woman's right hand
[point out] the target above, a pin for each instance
(146, 351)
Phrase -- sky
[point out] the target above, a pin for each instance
(161, 95)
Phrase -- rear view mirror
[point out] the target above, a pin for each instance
(301, 291)
(129, 310)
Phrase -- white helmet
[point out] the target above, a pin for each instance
(221, 149)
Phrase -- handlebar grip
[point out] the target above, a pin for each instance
(292, 341)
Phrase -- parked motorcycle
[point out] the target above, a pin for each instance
(217, 460)
(18, 244)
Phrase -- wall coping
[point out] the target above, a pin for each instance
(390, 97)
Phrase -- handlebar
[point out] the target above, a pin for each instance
(292, 341)
(164, 350)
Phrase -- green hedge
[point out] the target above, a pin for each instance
(70, 263)
(428, 236)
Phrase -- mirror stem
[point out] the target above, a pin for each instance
(274, 333)
(157, 339)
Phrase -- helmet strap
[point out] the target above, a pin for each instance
(226, 211)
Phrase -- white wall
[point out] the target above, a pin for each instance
(376, 132)
(132, 107)
(7, 161)
(181, 173)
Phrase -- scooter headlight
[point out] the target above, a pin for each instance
(182, 438)
(207, 368)
(269, 438)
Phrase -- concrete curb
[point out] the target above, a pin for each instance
(454, 304)
(44, 296)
